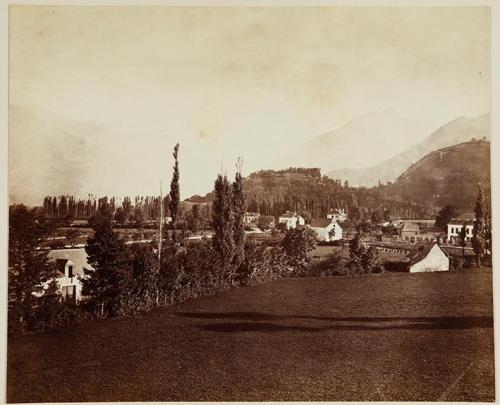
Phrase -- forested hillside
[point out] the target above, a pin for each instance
(446, 176)
(305, 190)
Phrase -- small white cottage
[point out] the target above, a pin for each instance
(429, 259)
(327, 230)
(70, 264)
(291, 220)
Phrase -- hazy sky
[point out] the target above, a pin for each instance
(99, 95)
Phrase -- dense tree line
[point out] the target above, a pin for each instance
(138, 212)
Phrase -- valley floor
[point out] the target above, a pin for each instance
(378, 337)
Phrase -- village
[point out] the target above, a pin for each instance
(402, 245)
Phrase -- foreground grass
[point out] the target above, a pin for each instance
(381, 337)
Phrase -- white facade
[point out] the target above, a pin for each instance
(329, 233)
(337, 215)
(71, 264)
(291, 221)
(69, 284)
(454, 230)
(434, 260)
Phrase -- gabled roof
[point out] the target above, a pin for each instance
(77, 256)
(334, 211)
(410, 227)
(320, 222)
(252, 214)
(288, 215)
(457, 221)
(422, 253)
(468, 216)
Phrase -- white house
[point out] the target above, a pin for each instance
(337, 214)
(70, 264)
(456, 224)
(432, 258)
(327, 230)
(251, 217)
(291, 220)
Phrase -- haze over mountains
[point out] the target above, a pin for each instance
(381, 146)
(460, 130)
(366, 140)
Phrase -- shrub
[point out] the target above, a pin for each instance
(51, 313)
(331, 265)
(263, 264)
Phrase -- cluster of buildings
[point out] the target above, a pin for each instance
(72, 263)
(327, 229)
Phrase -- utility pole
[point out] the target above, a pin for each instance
(160, 236)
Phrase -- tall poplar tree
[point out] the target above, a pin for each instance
(238, 206)
(478, 232)
(173, 204)
(222, 226)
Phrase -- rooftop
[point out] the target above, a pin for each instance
(77, 256)
(320, 222)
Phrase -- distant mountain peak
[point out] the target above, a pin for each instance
(362, 141)
(460, 129)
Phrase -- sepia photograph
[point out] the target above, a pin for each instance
(249, 202)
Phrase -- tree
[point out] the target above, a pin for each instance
(29, 268)
(478, 231)
(297, 244)
(387, 215)
(376, 218)
(238, 207)
(72, 236)
(488, 231)
(463, 238)
(194, 218)
(139, 217)
(363, 259)
(223, 228)
(265, 222)
(121, 215)
(174, 187)
(107, 283)
(444, 216)
(142, 292)
(127, 206)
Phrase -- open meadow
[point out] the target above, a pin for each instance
(378, 337)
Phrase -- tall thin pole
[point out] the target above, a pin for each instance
(160, 237)
(160, 240)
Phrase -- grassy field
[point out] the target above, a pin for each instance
(379, 337)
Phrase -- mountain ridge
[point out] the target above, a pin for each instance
(459, 130)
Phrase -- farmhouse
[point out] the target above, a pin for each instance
(291, 220)
(327, 230)
(429, 259)
(456, 224)
(409, 231)
(337, 214)
(70, 264)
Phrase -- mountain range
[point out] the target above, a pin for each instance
(457, 131)
(364, 141)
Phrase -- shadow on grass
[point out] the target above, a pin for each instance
(261, 322)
